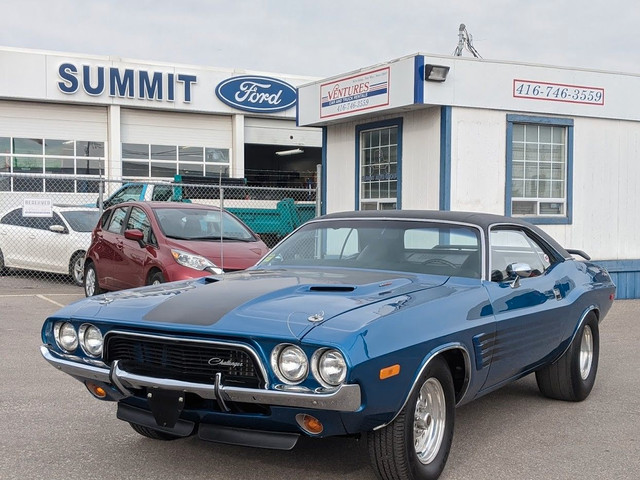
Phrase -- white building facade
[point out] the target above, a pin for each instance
(92, 116)
(558, 147)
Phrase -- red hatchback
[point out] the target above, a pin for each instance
(144, 243)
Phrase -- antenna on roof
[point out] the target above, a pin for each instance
(465, 40)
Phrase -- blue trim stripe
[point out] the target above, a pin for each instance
(323, 183)
(418, 80)
(445, 157)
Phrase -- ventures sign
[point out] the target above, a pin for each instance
(354, 94)
(257, 94)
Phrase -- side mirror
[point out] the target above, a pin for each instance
(522, 270)
(518, 271)
(58, 229)
(136, 235)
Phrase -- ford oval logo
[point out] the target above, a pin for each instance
(257, 94)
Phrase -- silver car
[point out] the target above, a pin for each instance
(54, 244)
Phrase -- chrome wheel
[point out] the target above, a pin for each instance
(90, 282)
(586, 352)
(429, 420)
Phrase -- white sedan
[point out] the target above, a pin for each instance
(54, 244)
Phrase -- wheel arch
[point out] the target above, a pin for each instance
(81, 251)
(457, 358)
(153, 270)
(583, 318)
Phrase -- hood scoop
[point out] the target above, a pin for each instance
(331, 288)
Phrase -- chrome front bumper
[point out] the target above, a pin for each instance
(345, 398)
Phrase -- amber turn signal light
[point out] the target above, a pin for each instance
(391, 371)
(96, 390)
(309, 423)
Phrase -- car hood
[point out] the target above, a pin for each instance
(267, 303)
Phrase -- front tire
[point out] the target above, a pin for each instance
(152, 433)
(416, 445)
(91, 285)
(76, 268)
(573, 375)
(156, 278)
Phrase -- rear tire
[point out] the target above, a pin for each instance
(416, 445)
(76, 268)
(2, 268)
(573, 375)
(152, 433)
(91, 285)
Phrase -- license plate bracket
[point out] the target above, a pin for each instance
(166, 406)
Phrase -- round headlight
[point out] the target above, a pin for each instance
(332, 368)
(90, 339)
(66, 336)
(290, 363)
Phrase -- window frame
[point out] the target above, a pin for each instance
(395, 122)
(568, 123)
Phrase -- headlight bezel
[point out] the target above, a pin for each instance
(61, 330)
(317, 367)
(84, 329)
(276, 363)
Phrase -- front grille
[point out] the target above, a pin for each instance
(190, 361)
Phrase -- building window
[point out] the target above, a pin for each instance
(539, 168)
(378, 165)
(53, 157)
(165, 161)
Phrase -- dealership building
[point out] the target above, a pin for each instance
(556, 146)
(559, 147)
(92, 116)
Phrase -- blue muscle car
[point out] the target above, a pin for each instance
(364, 323)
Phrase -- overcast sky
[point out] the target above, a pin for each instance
(326, 37)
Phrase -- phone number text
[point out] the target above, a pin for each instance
(557, 92)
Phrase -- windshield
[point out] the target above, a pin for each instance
(201, 224)
(81, 220)
(402, 245)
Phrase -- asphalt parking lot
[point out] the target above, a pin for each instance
(53, 429)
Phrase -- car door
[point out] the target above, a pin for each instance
(138, 256)
(108, 248)
(49, 250)
(530, 311)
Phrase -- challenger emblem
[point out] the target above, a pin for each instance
(215, 361)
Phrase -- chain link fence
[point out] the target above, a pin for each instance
(46, 220)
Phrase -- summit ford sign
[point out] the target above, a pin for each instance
(257, 94)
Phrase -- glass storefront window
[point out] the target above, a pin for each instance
(135, 150)
(163, 152)
(190, 154)
(59, 147)
(5, 145)
(27, 146)
(163, 169)
(216, 155)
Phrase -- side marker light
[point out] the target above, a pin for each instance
(391, 371)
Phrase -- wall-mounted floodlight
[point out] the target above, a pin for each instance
(435, 73)
(293, 151)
